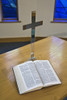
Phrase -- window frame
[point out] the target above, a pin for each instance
(7, 20)
(58, 20)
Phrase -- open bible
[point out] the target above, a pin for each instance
(34, 75)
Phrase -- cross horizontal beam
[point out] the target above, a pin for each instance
(33, 25)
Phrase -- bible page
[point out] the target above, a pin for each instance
(47, 73)
(30, 77)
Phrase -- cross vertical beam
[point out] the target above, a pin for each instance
(33, 35)
(32, 26)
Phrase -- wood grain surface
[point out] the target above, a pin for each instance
(52, 49)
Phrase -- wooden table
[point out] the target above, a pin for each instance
(52, 49)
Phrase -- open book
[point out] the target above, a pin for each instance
(34, 75)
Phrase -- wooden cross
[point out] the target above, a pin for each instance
(32, 25)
